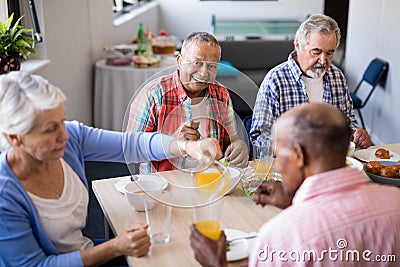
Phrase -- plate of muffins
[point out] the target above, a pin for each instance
(383, 172)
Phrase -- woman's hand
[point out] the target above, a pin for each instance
(205, 150)
(134, 241)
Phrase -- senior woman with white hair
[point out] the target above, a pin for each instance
(43, 188)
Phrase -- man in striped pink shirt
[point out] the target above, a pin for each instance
(335, 218)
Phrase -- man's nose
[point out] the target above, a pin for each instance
(203, 70)
(322, 58)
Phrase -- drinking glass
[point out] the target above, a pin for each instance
(159, 220)
(263, 155)
(207, 219)
(263, 158)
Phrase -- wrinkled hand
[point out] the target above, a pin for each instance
(190, 131)
(134, 241)
(237, 154)
(273, 193)
(206, 251)
(361, 138)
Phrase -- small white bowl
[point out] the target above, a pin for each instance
(351, 149)
(136, 194)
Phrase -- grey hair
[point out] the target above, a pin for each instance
(319, 23)
(22, 98)
(199, 37)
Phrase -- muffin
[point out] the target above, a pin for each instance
(382, 153)
(388, 172)
(374, 167)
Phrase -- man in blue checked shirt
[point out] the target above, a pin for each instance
(307, 76)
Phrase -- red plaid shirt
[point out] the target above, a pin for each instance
(164, 106)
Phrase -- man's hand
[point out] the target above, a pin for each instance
(361, 138)
(190, 131)
(206, 251)
(237, 154)
(273, 193)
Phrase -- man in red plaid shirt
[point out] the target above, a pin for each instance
(189, 103)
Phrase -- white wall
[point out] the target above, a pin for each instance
(105, 33)
(3, 11)
(67, 40)
(181, 18)
(373, 32)
(75, 33)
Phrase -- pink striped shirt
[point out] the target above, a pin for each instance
(337, 218)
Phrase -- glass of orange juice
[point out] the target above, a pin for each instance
(207, 219)
(263, 155)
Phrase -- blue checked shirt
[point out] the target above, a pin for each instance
(283, 88)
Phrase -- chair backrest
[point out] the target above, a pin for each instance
(247, 125)
(240, 106)
(375, 74)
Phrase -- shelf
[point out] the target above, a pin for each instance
(33, 65)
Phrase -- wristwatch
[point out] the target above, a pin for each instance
(183, 147)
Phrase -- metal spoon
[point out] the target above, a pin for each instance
(248, 236)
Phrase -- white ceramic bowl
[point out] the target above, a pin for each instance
(135, 194)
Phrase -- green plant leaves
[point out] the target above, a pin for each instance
(14, 40)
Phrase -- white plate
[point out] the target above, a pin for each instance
(239, 249)
(369, 155)
(123, 181)
(353, 163)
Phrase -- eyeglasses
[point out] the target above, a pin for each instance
(211, 66)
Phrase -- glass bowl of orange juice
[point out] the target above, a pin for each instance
(213, 181)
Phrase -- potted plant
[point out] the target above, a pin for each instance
(15, 44)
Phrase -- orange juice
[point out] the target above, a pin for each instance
(209, 228)
(211, 179)
(206, 178)
(262, 167)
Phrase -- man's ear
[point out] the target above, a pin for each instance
(179, 61)
(296, 45)
(298, 154)
(14, 139)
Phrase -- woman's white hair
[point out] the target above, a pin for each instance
(319, 23)
(22, 98)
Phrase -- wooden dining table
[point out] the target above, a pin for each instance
(239, 212)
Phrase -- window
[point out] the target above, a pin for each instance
(125, 6)
(243, 0)
(25, 7)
